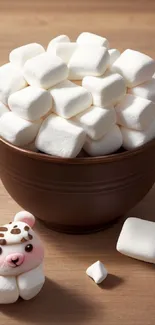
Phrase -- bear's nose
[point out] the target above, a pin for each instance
(15, 260)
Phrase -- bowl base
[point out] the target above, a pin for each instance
(79, 230)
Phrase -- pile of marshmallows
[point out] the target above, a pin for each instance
(109, 104)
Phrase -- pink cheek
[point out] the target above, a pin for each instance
(36, 255)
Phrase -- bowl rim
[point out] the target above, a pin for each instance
(80, 160)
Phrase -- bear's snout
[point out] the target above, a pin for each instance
(15, 259)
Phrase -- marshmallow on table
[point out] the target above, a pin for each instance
(17, 130)
(96, 121)
(133, 139)
(69, 99)
(145, 90)
(58, 39)
(135, 112)
(3, 109)
(107, 90)
(45, 70)
(88, 60)
(109, 143)
(114, 55)
(135, 67)
(65, 50)
(90, 38)
(30, 103)
(97, 272)
(137, 239)
(20, 55)
(30, 283)
(9, 292)
(11, 80)
(60, 137)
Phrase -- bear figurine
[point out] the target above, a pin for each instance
(21, 257)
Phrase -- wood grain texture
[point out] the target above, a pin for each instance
(69, 296)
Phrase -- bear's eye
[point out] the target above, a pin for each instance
(28, 248)
(1, 250)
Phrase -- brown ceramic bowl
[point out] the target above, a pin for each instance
(77, 195)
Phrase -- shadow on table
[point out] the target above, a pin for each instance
(111, 282)
(54, 304)
(98, 244)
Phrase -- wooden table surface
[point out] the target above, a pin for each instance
(127, 296)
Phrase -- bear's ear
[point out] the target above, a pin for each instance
(25, 216)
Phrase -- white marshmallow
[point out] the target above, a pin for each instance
(20, 55)
(8, 290)
(30, 103)
(137, 239)
(16, 130)
(69, 99)
(65, 50)
(90, 38)
(30, 283)
(114, 55)
(96, 121)
(97, 272)
(135, 112)
(145, 90)
(3, 109)
(135, 67)
(11, 80)
(58, 39)
(133, 139)
(107, 90)
(45, 70)
(59, 137)
(110, 143)
(88, 60)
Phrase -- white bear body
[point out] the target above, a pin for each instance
(21, 257)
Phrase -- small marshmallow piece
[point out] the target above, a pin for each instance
(16, 130)
(20, 55)
(58, 39)
(30, 283)
(97, 272)
(45, 71)
(114, 55)
(8, 290)
(59, 137)
(133, 139)
(90, 38)
(96, 121)
(110, 143)
(135, 67)
(11, 80)
(135, 112)
(137, 239)
(69, 99)
(65, 50)
(88, 60)
(107, 90)
(30, 103)
(3, 109)
(145, 90)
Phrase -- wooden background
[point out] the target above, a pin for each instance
(127, 297)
